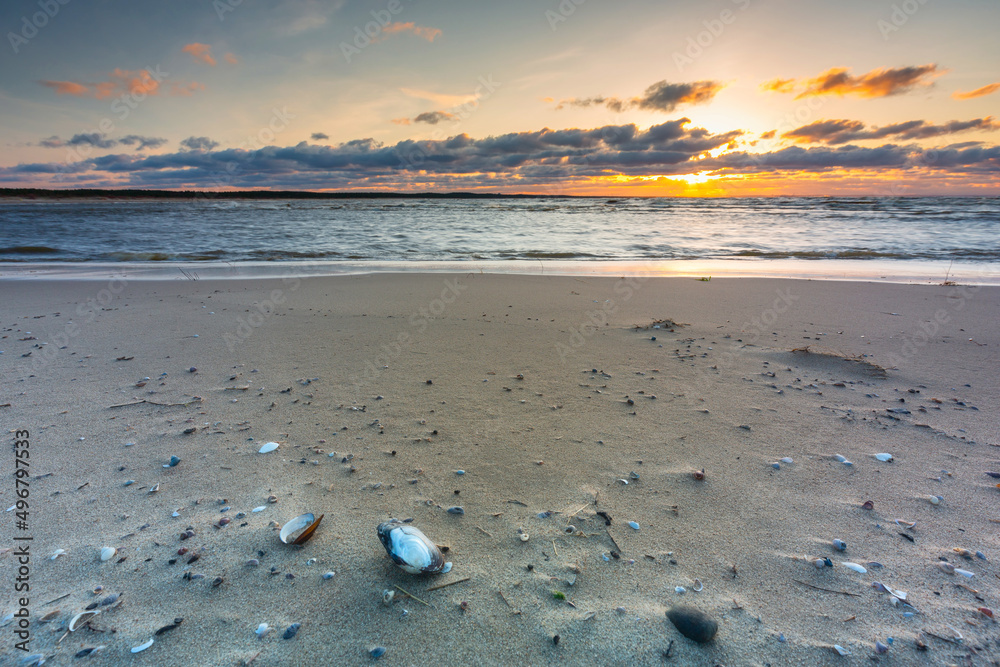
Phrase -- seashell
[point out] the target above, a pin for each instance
(377, 652)
(456, 510)
(107, 553)
(167, 628)
(840, 458)
(253, 562)
(33, 660)
(787, 459)
(174, 460)
(633, 475)
(459, 472)
(268, 447)
(300, 529)
(224, 521)
(819, 563)
(51, 616)
(272, 498)
(90, 650)
(994, 475)
(868, 505)
(980, 555)
(906, 524)
(934, 500)
(882, 588)
(840, 545)
(776, 465)
(259, 509)
(699, 474)
(328, 575)
(633, 525)
(880, 647)
(693, 623)
(410, 549)
(947, 568)
(964, 553)
(570, 529)
(57, 553)
(387, 597)
(262, 630)
(524, 537)
(884, 457)
(965, 573)
(291, 630)
(986, 611)
(854, 566)
(82, 619)
(154, 488)
(109, 600)
(841, 650)
(698, 586)
(680, 590)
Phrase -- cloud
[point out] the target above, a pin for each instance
(67, 88)
(231, 59)
(319, 136)
(401, 121)
(440, 99)
(137, 83)
(769, 134)
(530, 160)
(198, 144)
(99, 140)
(833, 132)
(430, 34)
(200, 52)
(978, 92)
(660, 96)
(876, 83)
(433, 117)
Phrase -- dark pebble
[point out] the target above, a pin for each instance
(693, 623)
(377, 652)
(291, 631)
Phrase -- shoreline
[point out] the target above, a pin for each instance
(855, 270)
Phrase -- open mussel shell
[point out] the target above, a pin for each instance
(410, 549)
(82, 619)
(300, 529)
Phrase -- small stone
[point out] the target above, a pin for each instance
(693, 623)
(291, 631)
(456, 510)
(379, 651)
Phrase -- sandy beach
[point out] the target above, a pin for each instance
(557, 398)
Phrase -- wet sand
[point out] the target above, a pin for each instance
(380, 387)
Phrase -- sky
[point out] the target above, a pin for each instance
(584, 97)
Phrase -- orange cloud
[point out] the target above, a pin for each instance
(67, 88)
(231, 59)
(876, 83)
(123, 82)
(978, 92)
(778, 86)
(420, 31)
(200, 52)
(401, 121)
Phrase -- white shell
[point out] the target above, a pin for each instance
(840, 650)
(840, 458)
(262, 629)
(81, 619)
(107, 553)
(854, 566)
(142, 647)
(291, 529)
(886, 457)
(934, 500)
(268, 447)
(965, 573)
(57, 553)
(787, 459)
(410, 549)
(947, 568)
(680, 590)
(259, 509)
(446, 568)
(633, 525)
(524, 537)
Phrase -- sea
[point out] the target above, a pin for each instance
(911, 238)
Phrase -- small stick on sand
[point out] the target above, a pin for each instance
(573, 514)
(827, 590)
(450, 583)
(944, 639)
(61, 597)
(484, 531)
(413, 596)
(554, 548)
(504, 598)
(196, 399)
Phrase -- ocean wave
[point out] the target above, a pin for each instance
(29, 250)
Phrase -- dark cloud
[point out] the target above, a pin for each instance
(537, 159)
(198, 144)
(876, 83)
(660, 96)
(433, 117)
(98, 140)
(319, 136)
(843, 131)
